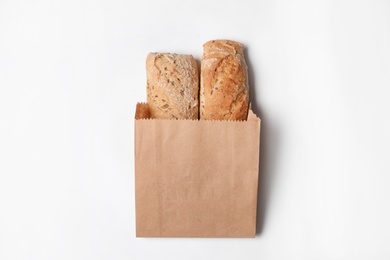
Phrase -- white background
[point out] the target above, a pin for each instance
(72, 71)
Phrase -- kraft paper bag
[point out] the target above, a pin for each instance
(196, 178)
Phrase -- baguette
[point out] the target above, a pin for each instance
(172, 86)
(224, 91)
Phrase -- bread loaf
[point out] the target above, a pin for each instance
(172, 86)
(224, 81)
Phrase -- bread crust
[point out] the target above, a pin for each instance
(172, 86)
(142, 111)
(224, 91)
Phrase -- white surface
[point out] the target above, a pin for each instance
(71, 73)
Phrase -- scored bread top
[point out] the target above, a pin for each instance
(224, 91)
(172, 86)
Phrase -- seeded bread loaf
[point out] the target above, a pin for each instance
(172, 86)
(224, 81)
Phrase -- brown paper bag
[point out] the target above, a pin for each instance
(196, 178)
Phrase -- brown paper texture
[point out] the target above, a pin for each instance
(196, 178)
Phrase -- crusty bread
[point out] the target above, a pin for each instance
(224, 81)
(142, 111)
(172, 86)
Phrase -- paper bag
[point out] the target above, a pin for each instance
(196, 178)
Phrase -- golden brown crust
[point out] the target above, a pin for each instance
(172, 86)
(142, 111)
(224, 81)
